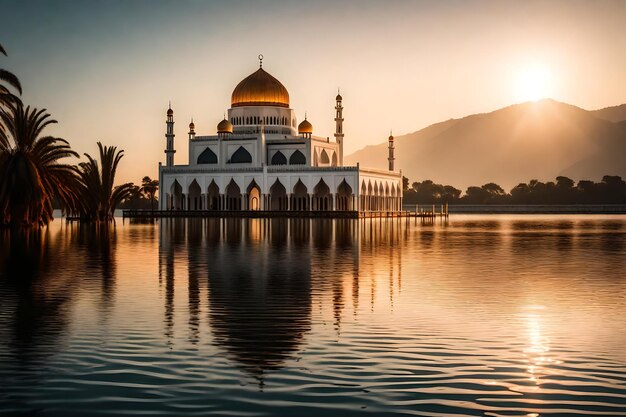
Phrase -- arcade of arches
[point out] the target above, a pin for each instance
(373, 197)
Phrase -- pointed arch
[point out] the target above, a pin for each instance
(233, 196)
(300, 197)
(194, 196)
(344, 196)
(322, 199)
(241, 156)
(279, 158)
(278, 196)
(254, 196)
(334, 159)
(369, 203)
(297, 158)
(213, 196)
(324, 157)
(207, 157)
(176, 192)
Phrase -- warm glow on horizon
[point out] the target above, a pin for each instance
(401, 66)
(534, 83)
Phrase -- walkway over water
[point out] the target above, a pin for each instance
(329, 214)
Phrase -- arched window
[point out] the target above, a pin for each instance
(279, 159)
(241, 156)
(207, 157)
(297, 158)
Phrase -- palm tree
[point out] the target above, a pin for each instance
(99, 197)
(150, 187)
(30, 173)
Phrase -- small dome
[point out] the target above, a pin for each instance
(260, 89)
(170, 112)
(192, 126)
(305, 127)
(338, 98)
(391, 138)
(224, 127)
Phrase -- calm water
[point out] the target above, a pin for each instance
(485, 315)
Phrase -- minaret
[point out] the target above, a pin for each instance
(339, 126)
(192, 130)
(391, 149)
(169, 138)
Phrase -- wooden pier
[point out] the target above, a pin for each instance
(263, 214)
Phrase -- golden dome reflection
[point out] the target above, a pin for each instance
(260, 89)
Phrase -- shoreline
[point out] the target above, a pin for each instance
(530, 208)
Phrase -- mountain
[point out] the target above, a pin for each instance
(535, 140)
(612, 114)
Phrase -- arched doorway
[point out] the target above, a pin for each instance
(194, 196)
(176, 192)
(278, 196)
(344, 196)
(213, 196)
(233, 196)
(300, 198)
(254, 196)
(322, 199)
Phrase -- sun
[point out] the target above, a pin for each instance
(533, 83)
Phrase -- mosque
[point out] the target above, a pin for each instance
(262, 159)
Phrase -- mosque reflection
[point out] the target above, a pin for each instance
(262, 278)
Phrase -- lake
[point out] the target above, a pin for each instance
(494, 315)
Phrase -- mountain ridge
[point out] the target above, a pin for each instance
(510, 145)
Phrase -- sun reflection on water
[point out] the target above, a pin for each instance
(538, 355)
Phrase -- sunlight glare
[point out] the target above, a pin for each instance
(533, 83)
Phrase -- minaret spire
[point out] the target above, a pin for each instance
(192, 129)
(391, 157)
(169, 137)
(339, 126)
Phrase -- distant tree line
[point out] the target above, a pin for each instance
(611, 190)
(142, 196)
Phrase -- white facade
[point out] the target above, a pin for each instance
(261, 159)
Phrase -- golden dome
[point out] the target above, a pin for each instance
(224, 127)
(260, 89)
(305, 127)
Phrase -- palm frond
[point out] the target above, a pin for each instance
(11, 79)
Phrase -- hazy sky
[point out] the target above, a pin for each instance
(106, 70)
